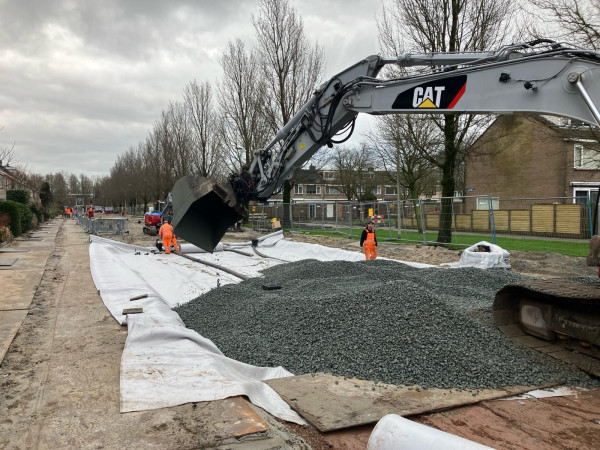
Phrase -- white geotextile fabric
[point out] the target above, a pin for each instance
(166, 364)
(496, 257)
(276, 246)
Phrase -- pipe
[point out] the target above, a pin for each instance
(216, 266)
(234, 250)
(394, 432)
(262, 255)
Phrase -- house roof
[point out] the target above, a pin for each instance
(305, 176)
(8, 172)
(564, 132)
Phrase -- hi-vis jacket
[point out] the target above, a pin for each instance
(166, 230)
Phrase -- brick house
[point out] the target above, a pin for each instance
(535, 157)
(321, 185)
(9, 179)
(316, 193)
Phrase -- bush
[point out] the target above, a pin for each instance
(13, 209)
(37, 213)
(26, 217)
(18, 195)
(5, 234)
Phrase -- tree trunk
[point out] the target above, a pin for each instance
(448, 182)
(417, 205)
(287, 199)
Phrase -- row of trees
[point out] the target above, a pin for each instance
(215, 129)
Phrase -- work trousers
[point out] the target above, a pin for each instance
(370, 250)
(168, 241)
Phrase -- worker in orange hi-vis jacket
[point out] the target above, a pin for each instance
(369, 240)
(167, 236)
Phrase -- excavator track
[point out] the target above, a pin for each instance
(558, 317)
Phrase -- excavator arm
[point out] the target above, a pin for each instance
(540, 77)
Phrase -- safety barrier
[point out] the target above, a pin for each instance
(103, 225)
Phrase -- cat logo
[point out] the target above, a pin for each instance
(425, 98)
(441, 94)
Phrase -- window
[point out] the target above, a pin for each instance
(585, 158)
(329, 175)
(313, 189)
(390, 190)
(483, 203)
(330, 189)
(298, 189)
(377, 190)
(312, 211)
(580, 195)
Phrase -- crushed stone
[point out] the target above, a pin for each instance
(377, 320)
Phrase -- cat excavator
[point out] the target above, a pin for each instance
(539, 77)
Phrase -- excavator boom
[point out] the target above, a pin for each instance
(541, 77)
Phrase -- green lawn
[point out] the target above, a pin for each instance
(565, 247)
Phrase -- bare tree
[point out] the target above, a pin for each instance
(74, 184)
(7, 155)
(176, 141)
(398, 143)
(291, 66)
(576, 21)
(204, 126)
(241, 94)
(354, 168)
(86, 187)
(445, 26)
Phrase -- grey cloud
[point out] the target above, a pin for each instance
(83, 81)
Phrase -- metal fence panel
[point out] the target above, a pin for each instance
(470, 218)
(103, 225)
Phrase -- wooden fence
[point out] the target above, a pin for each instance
(551, 220)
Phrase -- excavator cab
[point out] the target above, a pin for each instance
(204, 210)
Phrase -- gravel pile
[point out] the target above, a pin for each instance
(377, 320)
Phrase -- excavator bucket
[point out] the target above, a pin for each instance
(203, 210)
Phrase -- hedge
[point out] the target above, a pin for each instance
(18, 195)
(14, 210)
(26, 216)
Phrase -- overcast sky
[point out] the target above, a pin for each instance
(83, 81)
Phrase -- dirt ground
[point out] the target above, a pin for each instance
(59, 382)
(543, 264)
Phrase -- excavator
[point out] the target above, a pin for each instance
(539, 77)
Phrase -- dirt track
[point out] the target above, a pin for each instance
(60, 379)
